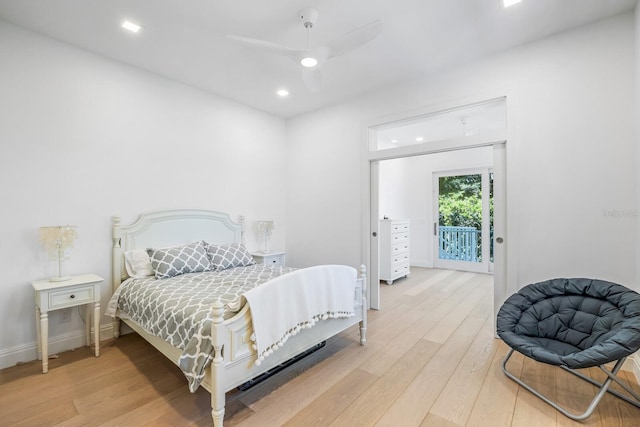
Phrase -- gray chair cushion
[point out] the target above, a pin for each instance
(576, 323)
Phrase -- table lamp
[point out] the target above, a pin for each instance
(266, 228)
(57, 240)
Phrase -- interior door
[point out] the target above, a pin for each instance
(374, 269)
(462, 229)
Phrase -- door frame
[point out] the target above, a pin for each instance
(504, 145)
(477, 267)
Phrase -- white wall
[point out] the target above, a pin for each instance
(84, 138)
(572, 156)
(636, 357)
(406, 191)
(637, 139)
(323, 188)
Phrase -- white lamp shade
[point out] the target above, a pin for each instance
(57, 240)
(266, 228)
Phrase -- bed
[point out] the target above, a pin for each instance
(234, 357)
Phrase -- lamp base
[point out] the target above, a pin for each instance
(59, 279)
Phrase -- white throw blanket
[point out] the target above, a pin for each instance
(283, 306)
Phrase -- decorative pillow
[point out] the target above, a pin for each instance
(169, 262)
(229, 255)
(138, 264)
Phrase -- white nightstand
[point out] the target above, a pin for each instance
(79, 290)
(271, 258)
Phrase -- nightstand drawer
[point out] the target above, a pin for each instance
(274, 260)
(76, 296)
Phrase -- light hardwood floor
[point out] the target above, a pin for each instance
(430, 360)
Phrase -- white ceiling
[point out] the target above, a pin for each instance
(185, 40)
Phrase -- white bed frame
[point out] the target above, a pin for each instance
(233, 362)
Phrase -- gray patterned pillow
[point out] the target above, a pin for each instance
(169, 262)
(229, 255)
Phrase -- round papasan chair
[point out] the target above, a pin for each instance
(573, 323)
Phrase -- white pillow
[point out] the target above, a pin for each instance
(138, 264)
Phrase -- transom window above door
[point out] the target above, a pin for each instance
(459, 122)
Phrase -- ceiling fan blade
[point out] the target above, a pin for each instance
(355, 38)
(264, 46)
(312, 79)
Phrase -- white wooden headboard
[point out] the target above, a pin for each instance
(170, 228)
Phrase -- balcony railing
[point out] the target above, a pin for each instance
(458, 243)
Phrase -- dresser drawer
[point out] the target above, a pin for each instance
(400, 259)
(75, 296)
(399, 237)
(400, 270)
(399, 248)
(400, 227)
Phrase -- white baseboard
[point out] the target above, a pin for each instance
(636, 366)
(106, 332)
(58, 344)
(423, 264)
(13, 356)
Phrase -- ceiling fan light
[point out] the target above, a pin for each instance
(309, 62)
(133, 27)
(509, 3)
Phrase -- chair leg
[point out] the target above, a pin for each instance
(611, 374)
(604, 388)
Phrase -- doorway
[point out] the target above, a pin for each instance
(494, 161)
(460, 135)
(463, 220)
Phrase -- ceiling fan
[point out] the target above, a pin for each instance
(312, 59)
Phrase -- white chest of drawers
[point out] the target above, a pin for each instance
(394, 249)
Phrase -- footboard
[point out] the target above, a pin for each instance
(234, 358)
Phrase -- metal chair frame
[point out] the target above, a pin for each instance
(604, 388)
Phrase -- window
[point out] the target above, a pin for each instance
(455, 123)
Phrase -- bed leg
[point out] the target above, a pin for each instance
(363, 322)
(218, 417)
(217, 367)
(116, 327)
(116, 265)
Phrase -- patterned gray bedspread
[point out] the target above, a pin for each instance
(178, 309)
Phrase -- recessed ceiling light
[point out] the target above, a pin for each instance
(128, 25)
(283, 92)
(508, 3)
(309, 62)
(419, 139)
(393, 141)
